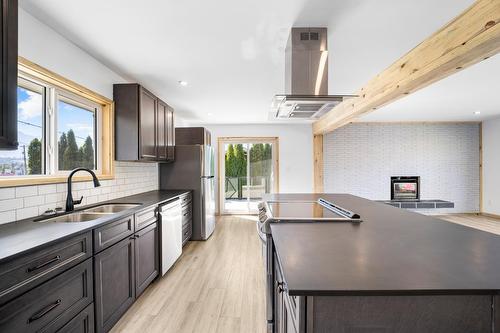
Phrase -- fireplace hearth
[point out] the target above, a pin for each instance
(404, 188)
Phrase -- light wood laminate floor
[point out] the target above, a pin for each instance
(481, 222)
(216, 286)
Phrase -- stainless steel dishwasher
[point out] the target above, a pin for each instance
(171, 233)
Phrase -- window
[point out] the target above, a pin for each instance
(73, 126)
(28, 158)
(61, 126)
(76, 135)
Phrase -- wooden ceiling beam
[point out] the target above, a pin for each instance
(469, 38)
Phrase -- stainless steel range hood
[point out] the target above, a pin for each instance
(306, 77)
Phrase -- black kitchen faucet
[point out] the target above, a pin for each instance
(70, 203)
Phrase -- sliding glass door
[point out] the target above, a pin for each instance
(249, 169)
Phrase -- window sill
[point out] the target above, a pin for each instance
(44, 180)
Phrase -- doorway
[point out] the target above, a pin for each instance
(248, 170)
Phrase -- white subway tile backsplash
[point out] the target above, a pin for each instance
(24, 213)
(36, 200)
(7, 193)
(46, 189)
(11, 204)
(7, 216)
(28, 201)
(26, 191)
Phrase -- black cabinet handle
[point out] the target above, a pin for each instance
(32, 269)
(44, 311)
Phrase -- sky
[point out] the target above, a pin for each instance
(30, 120)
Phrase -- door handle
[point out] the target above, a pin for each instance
(44, 311)
(48, 262)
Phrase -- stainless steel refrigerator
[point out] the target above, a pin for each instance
(193, 169)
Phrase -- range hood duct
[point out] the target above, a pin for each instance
(306, 77)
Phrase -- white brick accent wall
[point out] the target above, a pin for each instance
(361, 158)
(17, 203)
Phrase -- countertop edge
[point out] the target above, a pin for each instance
(117, 216)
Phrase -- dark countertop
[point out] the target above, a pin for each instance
(19, 237)
(393, 251)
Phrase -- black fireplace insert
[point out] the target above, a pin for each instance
(405, 188)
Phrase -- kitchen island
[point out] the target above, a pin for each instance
(397, 271)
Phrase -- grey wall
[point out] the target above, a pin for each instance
(360, 159)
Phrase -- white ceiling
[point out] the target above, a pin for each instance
(232, 52)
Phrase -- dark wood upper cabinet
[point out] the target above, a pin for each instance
(147, 125)
(8, 75)
(143, 125)
(161, 134)
(170, 134)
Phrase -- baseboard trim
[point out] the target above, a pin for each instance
(494, 216)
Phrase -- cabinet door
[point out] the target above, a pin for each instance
(114, 283)
(170, 134)
(8, 74)
(147, 125)
(161, 130)
(147, 262)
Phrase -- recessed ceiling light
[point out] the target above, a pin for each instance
(183, 83)
(477, 113)
(210, 114)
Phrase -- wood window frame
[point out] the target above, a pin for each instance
(106, 152)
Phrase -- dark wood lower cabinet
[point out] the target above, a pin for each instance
(63, 288)
(52, 304)
(82, 323)
(147, 263)
(114, 281)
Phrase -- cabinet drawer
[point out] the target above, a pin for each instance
(185, 199)
(112, 233)
(23, 273)
(187, 232)
(146, 217)
(187, 215)
(52, 304)
(82, 323)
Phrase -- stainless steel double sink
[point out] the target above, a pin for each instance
(90, 214)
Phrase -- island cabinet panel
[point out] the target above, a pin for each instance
(143, 125)
(289, 310)
(409, 314)
(114, 283)
(8, 74)
(52, 304)
(147, 261)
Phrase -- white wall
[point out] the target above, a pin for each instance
(295, 151)
(491, 166)
(45, 47)
(361, 158)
